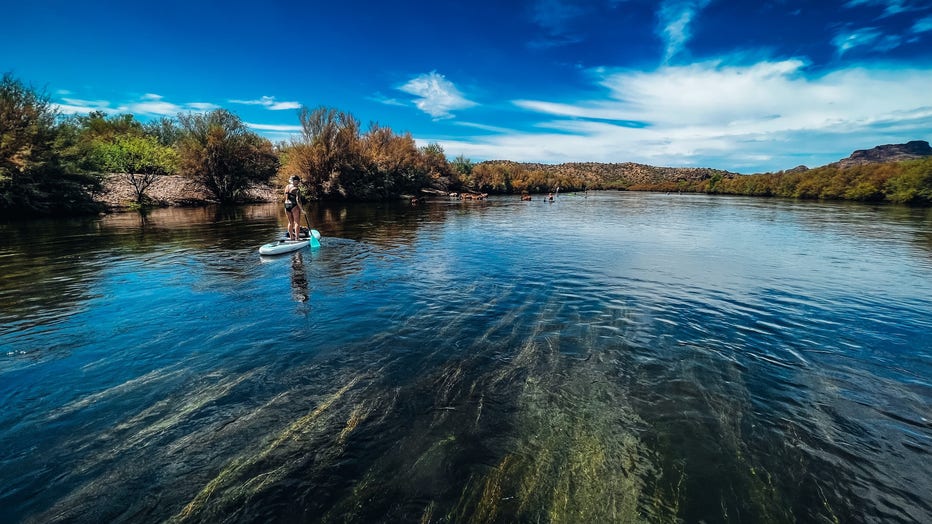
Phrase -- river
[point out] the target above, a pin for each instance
(610, 357)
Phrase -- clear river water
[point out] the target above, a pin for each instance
(611, 357)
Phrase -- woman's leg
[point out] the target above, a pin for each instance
(295, 223)
(290, 224)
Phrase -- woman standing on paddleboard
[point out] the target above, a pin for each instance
(293, 208)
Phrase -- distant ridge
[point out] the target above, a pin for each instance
(492, 175)
(887, 153)
(616, 175)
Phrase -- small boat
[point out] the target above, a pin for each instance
(287, 246)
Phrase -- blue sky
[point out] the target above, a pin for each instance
(747, 86)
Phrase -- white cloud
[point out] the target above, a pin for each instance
(675, 18)
(201, 106)
(759, 117)
(152, 104)
(276, 127)
(149, 104)
(278, 106)
(270, 103)
(75, 106)
(436, 95)
(259, 102)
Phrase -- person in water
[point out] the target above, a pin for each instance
(293, 208)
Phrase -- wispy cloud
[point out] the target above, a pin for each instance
(759, 117)
(268, 102)
(674, 24)
(152, 104)
(149, 104)
(890, 7)
(922, 25)
(155, 105)
(486, 127)
(275, 127)
(277, 132)
(76, 106)
(868, 36)
(382, 99)
(875, 39)
(435, 95)
(201, 106)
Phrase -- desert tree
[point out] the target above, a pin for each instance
(219, 151)
(139, 160)
(33, 179)
(164, 129)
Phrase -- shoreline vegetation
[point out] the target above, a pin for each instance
(83, 164)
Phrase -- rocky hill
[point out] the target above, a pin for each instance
(625, 174)
(638, 173)
(887, 153)
(629, 174)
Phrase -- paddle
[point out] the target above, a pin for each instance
(310, 231)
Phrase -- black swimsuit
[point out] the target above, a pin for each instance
(292, 201)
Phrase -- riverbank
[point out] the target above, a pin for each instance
(171, 191)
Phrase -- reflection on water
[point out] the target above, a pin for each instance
(299, 290)
(621, 357)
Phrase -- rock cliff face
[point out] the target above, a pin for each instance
(887, 153)
(172, 190)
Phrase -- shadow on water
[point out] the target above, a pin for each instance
(434, 372)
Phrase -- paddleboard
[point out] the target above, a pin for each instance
(287, 246)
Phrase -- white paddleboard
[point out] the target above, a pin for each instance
(287, 246)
